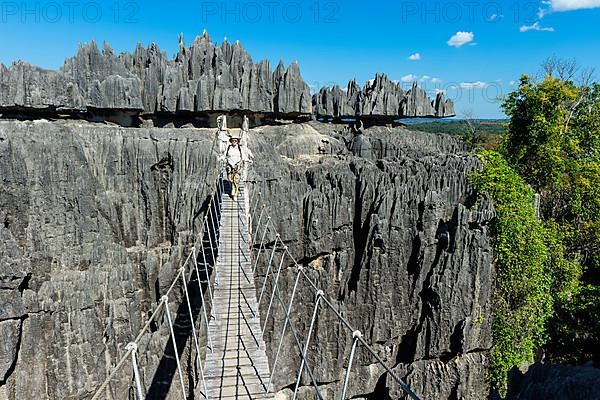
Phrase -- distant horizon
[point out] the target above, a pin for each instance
(475, 52)
(450, 119)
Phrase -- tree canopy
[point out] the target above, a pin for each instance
(548, 253)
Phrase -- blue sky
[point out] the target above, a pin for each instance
(471, 49)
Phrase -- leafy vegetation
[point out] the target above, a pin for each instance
(548, 285)
(522, 301)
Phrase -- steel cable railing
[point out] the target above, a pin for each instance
(211, 226)
(132, 348)
(357, 337)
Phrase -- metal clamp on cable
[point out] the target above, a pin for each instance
(357, 335)
(320, 294)
(132, 346)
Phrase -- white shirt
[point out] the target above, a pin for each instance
(234, 155)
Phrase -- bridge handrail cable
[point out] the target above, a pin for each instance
(319, 296)
(131, 348)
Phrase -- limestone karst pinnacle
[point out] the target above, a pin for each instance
(203, 77)
(380, 99)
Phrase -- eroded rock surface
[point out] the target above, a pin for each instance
(94, 221)
(396, 242)
(552, 381)
(201, 80)
(202, 77)
(380, 99)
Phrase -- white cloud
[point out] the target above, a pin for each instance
(495, 17)
(566, 5)
(436, 80)
(461, 38)
(512, 83)
(415, 57)
(542, 12)
(473, 85)
(535, 27)
(570, 5)
(424, 78)
(409, 78)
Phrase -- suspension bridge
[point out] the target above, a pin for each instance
(222, 266)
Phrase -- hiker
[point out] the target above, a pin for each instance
(236, 156)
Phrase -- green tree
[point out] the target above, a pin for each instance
(553, 141)
(548, 262)
(522, 300)
(537, 142)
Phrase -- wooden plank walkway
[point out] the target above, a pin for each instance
(238, 367)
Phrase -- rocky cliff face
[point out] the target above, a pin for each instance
(380, 99)
(547, 381)
(202, 77)
(396, 242)
(200, 80)
(94, 221)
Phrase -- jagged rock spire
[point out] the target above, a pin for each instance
(202, 77)
(380, 98)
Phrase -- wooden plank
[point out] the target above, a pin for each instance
(238, 367)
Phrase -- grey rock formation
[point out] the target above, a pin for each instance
(548, 381)
(399, 247)
(94, 221)
(203, 77)
(380, 99)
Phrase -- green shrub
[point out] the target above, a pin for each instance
(522, 299)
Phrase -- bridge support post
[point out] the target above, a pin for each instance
(189, 305)
(202, 295)
(176, 352)
(319, 295)
(274, 287)
(133, 347)
(262, 210)
(262, 291)
(355, 337)
(285, 325)
(210, 295)
(212, 249)
(262, 243)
